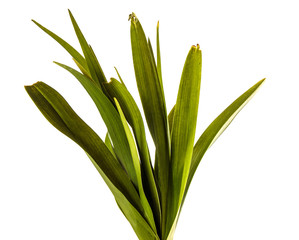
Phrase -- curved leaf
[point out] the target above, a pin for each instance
(112, 120)
(72, 51)
(217, 127)
(58, 112)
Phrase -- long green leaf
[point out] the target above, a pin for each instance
(183, 129)
(112, 120)
(94, 67)
(170, 118)
(153, 102)
(117, 90)
(72, 51)
(135, 156)
(58, 112)
(159, 67)
(217, 127)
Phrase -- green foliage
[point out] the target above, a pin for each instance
(151, 198)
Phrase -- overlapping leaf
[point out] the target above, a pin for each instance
(118, 90)
(136, 162)
(58, 112)
(151, 199)
(72, 51)
(153, 102)
(112, 120)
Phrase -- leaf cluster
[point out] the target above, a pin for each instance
(150, 197)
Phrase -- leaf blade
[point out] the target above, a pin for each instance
(127, 103)
(153, 102)
(183, 130)
(72, 51)
(55, 108)
(159, 67)
(135, 156)
(111, 118)
(93, 65)
(217, 127)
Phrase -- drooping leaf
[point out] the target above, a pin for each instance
(117, 90)
(58, 112)
(153, 102)
(183, 130)
(112, 120)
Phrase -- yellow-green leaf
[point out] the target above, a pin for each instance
(183, 130)
(130, 109)
(135, 156)
(153, 102)
(216, 128)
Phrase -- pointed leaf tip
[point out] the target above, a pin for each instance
(133, 17)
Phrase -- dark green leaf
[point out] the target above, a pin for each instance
(94, 67)
(111, 119)
(58, 112)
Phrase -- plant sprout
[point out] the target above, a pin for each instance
(150, 195)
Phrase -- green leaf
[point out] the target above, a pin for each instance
(159, 67)
(117, 90)
(216, 128)
(94, 67)
(153, 102)
(82, 69)
(183, 130)
(134, 153)
(58, 112)
(72, 51)
(112, 120)
(170, 118)
(119, 76)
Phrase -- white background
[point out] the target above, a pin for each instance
(247, 184)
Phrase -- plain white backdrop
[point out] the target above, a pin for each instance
(247, 186)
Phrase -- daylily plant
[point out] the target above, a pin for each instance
(150, 197)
